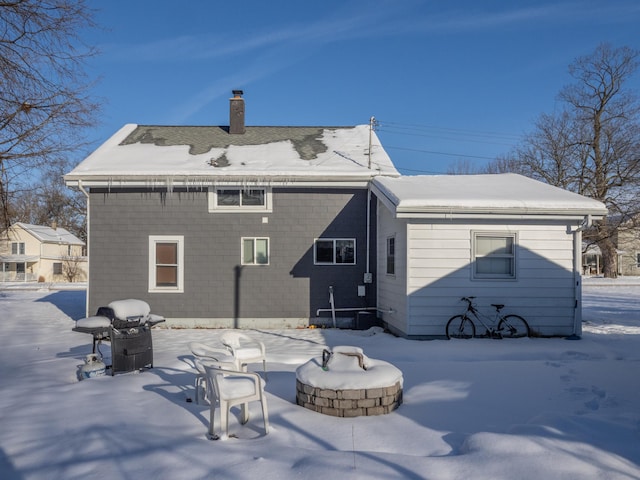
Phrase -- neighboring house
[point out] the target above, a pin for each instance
(233, 226)
(277, 226)
(503, 238)
(628, 243)
(36, 253)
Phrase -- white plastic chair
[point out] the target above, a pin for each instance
(202, 352)
(231, 388)
(245, 350)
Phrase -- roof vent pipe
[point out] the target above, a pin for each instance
(236, 113)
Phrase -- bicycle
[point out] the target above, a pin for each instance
(508, 326)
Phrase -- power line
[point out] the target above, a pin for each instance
(431, 172)
(448, 130)
(439, 153)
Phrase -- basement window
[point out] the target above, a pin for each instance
(238, 199)
(494, 256)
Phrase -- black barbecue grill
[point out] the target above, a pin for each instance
(126, 324)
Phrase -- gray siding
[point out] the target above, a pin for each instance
(216, 286)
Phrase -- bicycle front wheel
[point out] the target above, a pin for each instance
(513, 326)
(460, 326)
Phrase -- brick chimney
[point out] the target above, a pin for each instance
(236, 113)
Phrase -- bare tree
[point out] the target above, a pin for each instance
(592, 147)
(72, 267)
(44, 99)
(462, 167)
(49, 201)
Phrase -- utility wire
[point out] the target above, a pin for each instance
(405, 127)
(447, 134)
(439, 153)
(443, 133)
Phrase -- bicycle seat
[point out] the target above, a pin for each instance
(497, 306)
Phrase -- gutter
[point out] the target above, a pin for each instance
(578, 216)
(173, 179)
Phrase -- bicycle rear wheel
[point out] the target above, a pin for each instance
(513, 326)
(460, 326)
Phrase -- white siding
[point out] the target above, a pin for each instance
(392, 289)
(440, 257)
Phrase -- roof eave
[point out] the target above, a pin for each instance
(187, 180)
(444, 212)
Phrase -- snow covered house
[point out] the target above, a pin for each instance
(240, 226)
(40, 253)
(504, 239)
(233, 226)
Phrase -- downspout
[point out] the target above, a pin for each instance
(368, 271)
(577, 278)
(86, 194)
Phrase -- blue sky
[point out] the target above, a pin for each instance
(448, 82)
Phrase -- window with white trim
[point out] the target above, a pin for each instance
(494, 256)
(166, 263)
(238, 199)
(57, 268)
(255, 251)
(391, 255)
(334, 251)
(17, 248)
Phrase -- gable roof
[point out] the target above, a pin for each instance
(472, 195)
(49, 235)
(192, 154)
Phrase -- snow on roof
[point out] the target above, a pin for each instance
(211, 153)
(49, 234)
(507, 193)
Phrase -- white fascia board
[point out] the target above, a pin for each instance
(558, 210)
(386, 201)
(549, 216)
(198, 183)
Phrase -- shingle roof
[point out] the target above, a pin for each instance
(49, 234)
(507, 193)
(209, 153)
(307, 141)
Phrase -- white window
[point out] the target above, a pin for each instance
(494, 256)
(17, 248)
(334, 251)
(391, 255)
(255, 251)
(166, 263)
(57, 268)
(238, 199)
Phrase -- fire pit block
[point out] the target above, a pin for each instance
(345, 383)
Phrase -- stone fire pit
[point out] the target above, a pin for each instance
(345, 383)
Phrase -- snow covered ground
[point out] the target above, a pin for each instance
(481, 409)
